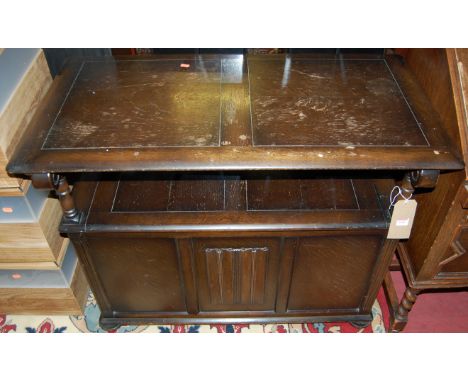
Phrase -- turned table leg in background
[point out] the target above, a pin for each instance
(398, 310)
(406, 304)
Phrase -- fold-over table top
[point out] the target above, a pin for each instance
(233, 112)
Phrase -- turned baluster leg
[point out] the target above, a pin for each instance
(62, 189)
(411, 181)
(406, 304)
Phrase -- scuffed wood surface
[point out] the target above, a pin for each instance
(140, 104)
(232, 113)
(306, 102)
(330, 102)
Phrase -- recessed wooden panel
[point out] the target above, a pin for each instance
(237, 274)
(301, 194)
(332, 272)
(211, 192)
(206, 194)
(142, 195)
(172, 193)
(357, 102)
(138, 274)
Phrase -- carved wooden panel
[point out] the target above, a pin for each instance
(456, 259)
(237, 274)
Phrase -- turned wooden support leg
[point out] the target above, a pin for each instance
(62, 189)
(406, 304)
(399, 314)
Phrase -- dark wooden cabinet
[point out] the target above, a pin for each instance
(226, 188)
(435, 256)
(321, 276)
(256, 249)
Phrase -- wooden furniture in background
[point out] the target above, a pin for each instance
(435, 255)
(16, 115)
(28, 219)
(44, 291)
(233, 188)
(31, 246)
(32, 242)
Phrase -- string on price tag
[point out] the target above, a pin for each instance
(393, 198)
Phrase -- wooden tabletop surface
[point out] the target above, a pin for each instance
(234, 112)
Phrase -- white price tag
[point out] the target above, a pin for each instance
(402, 219)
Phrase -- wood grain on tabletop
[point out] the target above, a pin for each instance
(234, 112)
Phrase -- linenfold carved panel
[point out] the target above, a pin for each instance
(236, 275)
